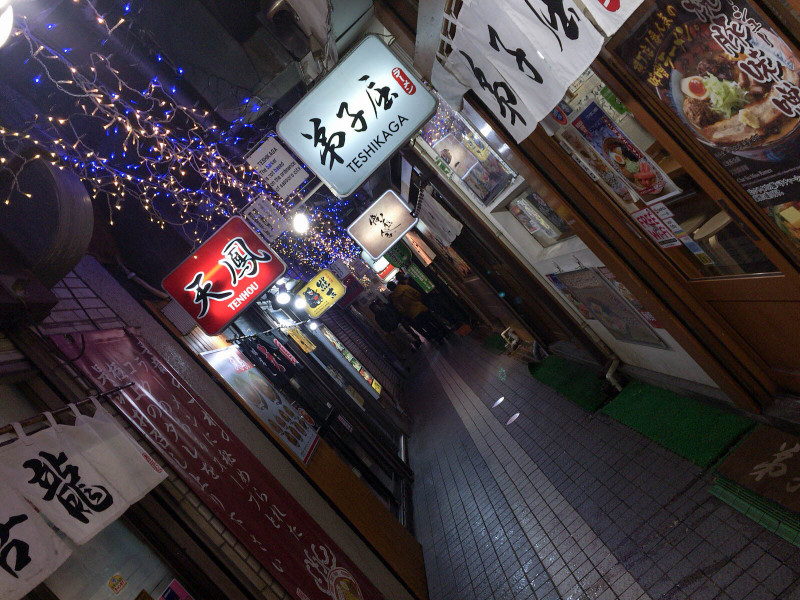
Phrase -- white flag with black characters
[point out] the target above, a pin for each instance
(114, 453)
(520, 56)
(53, 476)
(29, 549)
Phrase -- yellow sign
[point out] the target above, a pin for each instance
(321, 293)
(301, 339)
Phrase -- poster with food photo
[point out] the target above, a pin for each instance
(637, 170)
(293, 427)
(735, 85)
(605, 304)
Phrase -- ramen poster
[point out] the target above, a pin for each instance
(266, 403)
(735, 84)
(634, 168)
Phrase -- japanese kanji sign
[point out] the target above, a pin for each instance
(277, 167)
(357, 116)
(29, 550)
(767, 462)
(218, 467)
(224, 276)
(382, 225)
(734, 83)
(655, 229)
(520, 56)
(321, 292)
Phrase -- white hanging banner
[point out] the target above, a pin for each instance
(520, 56)
(611, 14)
(468, 63)
(53, 476)
(114, 453)
(29, 550)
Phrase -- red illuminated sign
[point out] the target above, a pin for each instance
(224, 276)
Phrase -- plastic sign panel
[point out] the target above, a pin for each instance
(276, 166)
(357, 116)
(322, 292)
(382, 225)
(224, 276)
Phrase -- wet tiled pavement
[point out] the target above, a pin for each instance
(561, 504)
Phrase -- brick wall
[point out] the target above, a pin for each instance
(80, 309)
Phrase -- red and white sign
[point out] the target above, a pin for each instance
(655, 228)
(611, 14)
(217, 466)
(224, 276)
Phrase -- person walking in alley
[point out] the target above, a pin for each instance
(408, 303)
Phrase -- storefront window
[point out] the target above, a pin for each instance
(663, 202)
(464, 156)
(113, 564)
(541, 220)
(734, 84)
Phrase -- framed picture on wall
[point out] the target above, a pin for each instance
(606, 305)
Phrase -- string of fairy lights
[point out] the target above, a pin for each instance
(173, 160)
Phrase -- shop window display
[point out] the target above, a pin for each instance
(661, 199)
(464, 156)
(733, 83)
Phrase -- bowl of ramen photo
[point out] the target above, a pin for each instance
(637, 170)
(728, 108)
(342, 586)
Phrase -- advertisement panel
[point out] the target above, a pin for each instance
(734, 84)
(224, 276)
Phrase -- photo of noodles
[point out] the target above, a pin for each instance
(719, 97)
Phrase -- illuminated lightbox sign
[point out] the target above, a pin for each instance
(357, 116)
(382, 225)
(322, 292)
(224, 276)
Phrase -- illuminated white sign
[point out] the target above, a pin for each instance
(357, 116)
(382, 225)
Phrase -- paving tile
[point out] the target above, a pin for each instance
(566, 500)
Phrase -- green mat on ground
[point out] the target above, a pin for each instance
(495, 343)
(767, 513)
(575, 381)
(692, 429)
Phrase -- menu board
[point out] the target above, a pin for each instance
(734, 84)
(360, 369)
(293, 428)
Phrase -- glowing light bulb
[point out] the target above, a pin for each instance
(312, 325)
(300, 303)
(6, 23)
(300, 223)
(282, 297)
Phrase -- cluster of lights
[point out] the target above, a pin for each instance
(171, 159)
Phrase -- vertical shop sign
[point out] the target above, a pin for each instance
(217, 466)
(357, 116)
(382, 225)
(277, 167)
(735, 85)
(611, 14)
(520, 56)
(321, 292)
(422, 280)
(224, 276)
